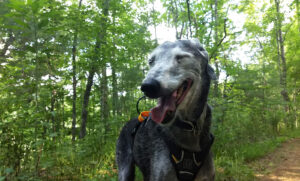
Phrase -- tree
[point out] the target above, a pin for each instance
(100, 40)
(74, 51)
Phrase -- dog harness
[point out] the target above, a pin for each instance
(186, 163)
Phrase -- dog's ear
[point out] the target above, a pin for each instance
(204, 54)
(196, 43)
(211, 72)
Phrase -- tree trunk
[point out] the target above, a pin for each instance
(99, 41)
(189, 17)
(280, 41)
(282, 60)
(113, 73)
(63, 110)
(154, 22)
(174, 11)
(74, 84)
(85, 104)
(298, 14)
(53, 94)
(104, 102)
(115, 106)
(216, 82)
(181, 31)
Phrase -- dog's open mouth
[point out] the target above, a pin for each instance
(166, 107)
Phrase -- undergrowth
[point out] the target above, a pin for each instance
(89, 160)
(233, 165)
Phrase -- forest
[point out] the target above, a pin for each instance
(71, 70)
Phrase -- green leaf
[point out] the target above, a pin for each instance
(8, 170)
(43, 23)
(53, 135)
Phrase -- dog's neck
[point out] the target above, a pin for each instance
(189, 136)
(194, 112)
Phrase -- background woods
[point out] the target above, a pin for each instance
(70, 73)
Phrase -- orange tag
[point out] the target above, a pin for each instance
(143, 116)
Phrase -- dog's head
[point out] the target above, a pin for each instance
(177, 72)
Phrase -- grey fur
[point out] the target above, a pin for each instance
(147, 149)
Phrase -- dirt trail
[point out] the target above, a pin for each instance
(281, 165)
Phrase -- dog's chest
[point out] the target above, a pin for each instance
(159, 158)
(150, 152)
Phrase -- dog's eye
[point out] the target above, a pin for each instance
(151, 60)
(180, 57)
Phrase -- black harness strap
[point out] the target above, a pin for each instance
(187, 163)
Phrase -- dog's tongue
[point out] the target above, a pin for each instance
(165, 104)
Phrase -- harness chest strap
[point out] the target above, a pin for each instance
(188, 163)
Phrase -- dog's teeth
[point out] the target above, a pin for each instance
(169, 113)
(179, 92)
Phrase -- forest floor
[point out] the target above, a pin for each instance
(281, 165)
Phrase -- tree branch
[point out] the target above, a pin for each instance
(220, 42)
(189, 16)
(289, 27)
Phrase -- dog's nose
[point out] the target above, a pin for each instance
(151, 88)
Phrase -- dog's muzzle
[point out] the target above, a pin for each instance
(151, 88)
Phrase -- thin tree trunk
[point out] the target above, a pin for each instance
(278, 57)
(216, 82)
(37, 82)
(298, 14)
(113, 74)
(174, 11)
(284, 92)
(104, 102)
(53, 93)
(181, 31)
(189, 17)
(99, 42)
(114, 92)
(74, 98)
(281, 58)
(297, 91)
(265, 108)
(154, 22)
(85, 104)
(63, 110)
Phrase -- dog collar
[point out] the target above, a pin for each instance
(191, 125)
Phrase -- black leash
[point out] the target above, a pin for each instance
(137, 104)
(134, 130)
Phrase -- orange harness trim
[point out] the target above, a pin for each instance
(144, 115)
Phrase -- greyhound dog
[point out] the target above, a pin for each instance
(173, 142)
